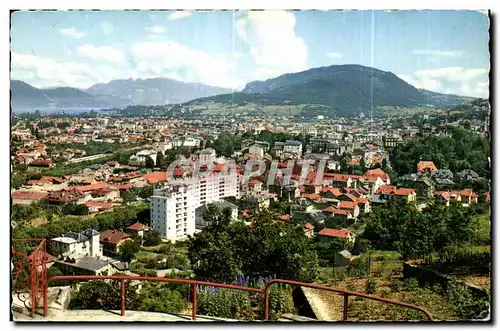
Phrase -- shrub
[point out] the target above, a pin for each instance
(466, 305)
(371, 286)
(161, 299)
(411, 285)
(280, 302)
(226, 303)
(147, 273)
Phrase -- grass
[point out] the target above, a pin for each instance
(482, 235)
(142, 254)
(368, 310)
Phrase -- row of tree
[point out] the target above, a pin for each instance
(400, 226)
(464, 149)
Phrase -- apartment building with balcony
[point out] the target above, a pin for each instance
(173, 206)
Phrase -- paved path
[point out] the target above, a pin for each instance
(56, 315)
(327, 306)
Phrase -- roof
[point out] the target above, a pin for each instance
(156, 177)
(311, 196)
(426, 165)
(308, 226)
(69, 195)
(99, 204)
(29, 195)
(137, 227)
(225, 204)
(93, 187)
(377, 172)
(347, 205)
(113, 236)
(254, 181)
(127, 186)
(333, 190)
(91, 263)
(78, 237)
(284, 217)
(467, 193)
(335, 233)
(65, 240)
(393, 190)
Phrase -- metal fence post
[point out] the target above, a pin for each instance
(123, 296)
(195, 302)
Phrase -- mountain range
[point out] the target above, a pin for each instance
(116, 93)
(345, 89)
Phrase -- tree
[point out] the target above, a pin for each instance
(152, 238)
(150, 164)
(225, 249)
(399, 226)
(73, 209)
(160, 160)
(128, 196)
(128, 250)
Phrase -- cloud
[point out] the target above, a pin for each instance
(174, 60)
(45, 72)
(274, 46)
(334, 55)
(176, 15)
(105, 53)
(437, 53)
(72, 33)
(453, 80)
(157, 29)
(107, 28)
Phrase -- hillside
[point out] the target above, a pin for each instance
(346, 89)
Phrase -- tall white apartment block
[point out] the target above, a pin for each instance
(173, 206)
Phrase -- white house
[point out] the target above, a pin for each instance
(77, 245)
(140, 157)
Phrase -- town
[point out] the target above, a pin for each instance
(251, 166)
(117, 195)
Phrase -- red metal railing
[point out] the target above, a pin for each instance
(37, 269)
(265, 292)
(122, 279)
(345, 293)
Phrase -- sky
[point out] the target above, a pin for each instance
(442, 51)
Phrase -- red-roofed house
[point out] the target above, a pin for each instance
(309, 230)
(137, 228)
(97, 206)
(93, 187)
(27, 197)
(112, 239)
(156, 177)
(426, 166)
(327, 233)
(387, 192)
(468, 196)
(284, 217)
(330, 192)
(349, 206)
